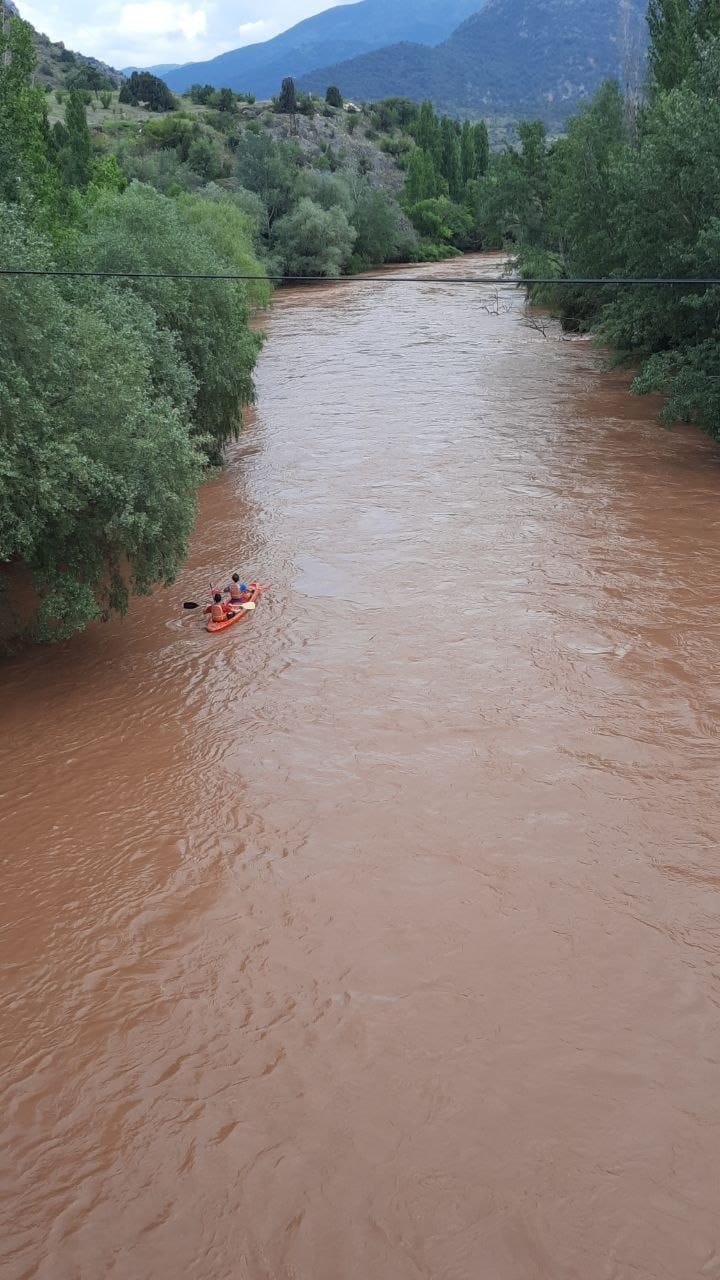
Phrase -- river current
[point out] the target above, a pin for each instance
(377, 938)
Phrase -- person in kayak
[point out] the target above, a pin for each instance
(239, 592)
(219, 610)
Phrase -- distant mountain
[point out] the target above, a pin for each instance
(329, 37)
(161, 70)
(515, 57)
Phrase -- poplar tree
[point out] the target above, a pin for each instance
(77, 153)
(427, 130)
(707, 18)
(450, 157)
(672, 46)
(422, 179)
(468, 159)
(481, 141)
(26, 170)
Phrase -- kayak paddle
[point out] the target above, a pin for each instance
(193, 604)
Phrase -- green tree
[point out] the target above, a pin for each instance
(97, 468)
(421, 182)
(583, 234)
(106, 176)
(202, 94)
(329, 190)
(602, 202)
(427, 129)
(145, 89)
(396, 113)
(27, 172)
(707, 18)
(501, 213)
(672, 47)
(228, 224)
(162, 170)
(378, 224)
(269, 169)
(306, 105)
(76, 155)
(207, 159)
(225, 100)
(481, 142)
(468, 159)
(451, 158)
(287, 102)
(667, 193)
(534, 170)
(88, 78)
(172, 133)
(441, 220)
(312, 241)
(333, 96)
(142, 231)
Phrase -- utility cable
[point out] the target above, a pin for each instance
(387, 278)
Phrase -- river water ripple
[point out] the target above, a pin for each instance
(377, 938)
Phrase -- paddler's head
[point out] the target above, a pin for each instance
(217, 598)
(236, 577)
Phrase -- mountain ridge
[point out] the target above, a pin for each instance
(513, 57)
(162, 69)
(333, 36)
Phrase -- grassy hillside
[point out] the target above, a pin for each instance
(149, 143)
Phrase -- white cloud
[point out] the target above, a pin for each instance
(155, 31)
(252, 32)
(160, 18)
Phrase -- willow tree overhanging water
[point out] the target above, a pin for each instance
(113, 396)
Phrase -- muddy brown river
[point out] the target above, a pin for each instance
(377, 938)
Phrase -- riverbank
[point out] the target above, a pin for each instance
(18, 600)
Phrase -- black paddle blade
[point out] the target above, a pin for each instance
(191, 604)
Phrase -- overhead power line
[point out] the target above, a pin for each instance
(386, 278)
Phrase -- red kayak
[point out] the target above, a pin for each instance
(255, 592)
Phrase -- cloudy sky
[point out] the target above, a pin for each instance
(146, 32)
